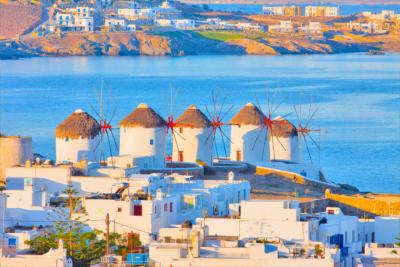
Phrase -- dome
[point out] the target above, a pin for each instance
(281, 127)
(143, 116)
(194, 118)
(248, 115)
(78, 125)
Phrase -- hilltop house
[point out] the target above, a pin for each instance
(75, 17)
(311, 28)
(284, 26)
(321, 11)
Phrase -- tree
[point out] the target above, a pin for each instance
(86, 244)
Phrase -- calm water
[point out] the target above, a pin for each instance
(357, 97)
(343, 9)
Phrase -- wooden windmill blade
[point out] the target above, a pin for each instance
(171, 123)
(216, 119)
(304, 130)
(106, 127)
(268, 123)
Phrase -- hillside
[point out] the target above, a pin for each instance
(18, 17)
(178, 43)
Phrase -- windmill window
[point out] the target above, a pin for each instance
(180, 129)
(170, 207)
(119, 209)
(151, 141)
(66, 139)
(165, 207)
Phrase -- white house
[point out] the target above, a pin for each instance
(321, 11)
(274, 10)
(312, 27)
(194, 138)
(284, 26)
(163, 202)
(127, 9)
(143, 134)
(257, 219)
(283, 141)
(249, 136)
(231, 241)
(114, 22)
(77, 138)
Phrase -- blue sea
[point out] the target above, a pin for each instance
(357, 96)
(343, 9)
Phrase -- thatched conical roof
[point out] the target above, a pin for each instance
(248, 115)
(281, 127)
(143, 116)
(78, 125)
(194, 118)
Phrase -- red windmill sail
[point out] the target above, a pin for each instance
(304, 130)
(217, 122)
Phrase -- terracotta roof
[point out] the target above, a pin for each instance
(248, 115)
(78, 124)
(193, 117)
(143, 116)
(281, 127)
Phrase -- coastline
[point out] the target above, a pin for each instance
(180, 43)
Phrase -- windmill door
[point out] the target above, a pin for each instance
(180, 156)
(239, 155)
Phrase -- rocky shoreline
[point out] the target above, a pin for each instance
(176, 43)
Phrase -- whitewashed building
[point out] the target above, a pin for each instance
(312, 27)
(283, 141)
(249, 136)
(163, 201)
(321, 11)
(75, 18)
(77, 138)
(274, 10)
(143, 135)
(194, 138)
(115, 22)
(283, 26)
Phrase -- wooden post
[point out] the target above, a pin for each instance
(108, 234)
(70, 221)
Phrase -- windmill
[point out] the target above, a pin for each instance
(268, 123)
(303, 127)
(217, 117)
(171, 124)
(106, 129)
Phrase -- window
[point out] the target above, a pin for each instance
(170, 207)
(137, 210)
(180, 129)
(119, 209)
(353, 236)
(180, 156)
(366, 238)
(373, 237)
(345, 238)
(151, 141)
(165, 207)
